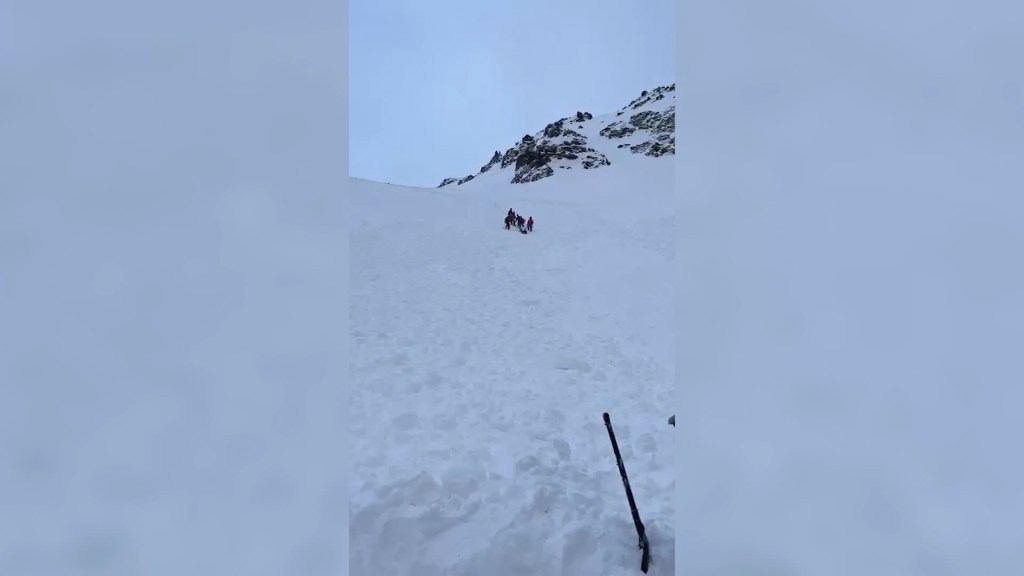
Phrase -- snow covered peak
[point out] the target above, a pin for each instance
(666, 95)
(645, 126)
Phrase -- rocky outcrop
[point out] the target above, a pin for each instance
(617, 130)
(657, 123)
(562, 145)
(646, 97)
(495, 160)
(532, 156)
(651, 119)
(456, 181)
(659, 126)
(532, 173)
(655, 148)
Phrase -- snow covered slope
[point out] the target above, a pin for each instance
(483, 360)
(584, 142)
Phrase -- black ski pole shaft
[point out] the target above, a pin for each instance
(625, 478)
(640, 530)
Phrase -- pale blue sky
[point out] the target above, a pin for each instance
(436, 87)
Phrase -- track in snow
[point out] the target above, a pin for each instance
(483, 360)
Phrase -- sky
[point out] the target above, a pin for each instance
(436, 87)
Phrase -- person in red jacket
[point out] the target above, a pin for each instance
(529, 224)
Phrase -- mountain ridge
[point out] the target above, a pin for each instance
(585, 141)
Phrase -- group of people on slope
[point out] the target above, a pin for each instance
(524, 224)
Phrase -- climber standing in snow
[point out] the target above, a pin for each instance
(529, 224)
(520, 221)
(508, 222)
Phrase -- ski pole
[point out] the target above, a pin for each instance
(640, 530)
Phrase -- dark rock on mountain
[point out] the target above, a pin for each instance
(648, 97)
(654, 148)
(617, 130)
(532, 174)
(496, 159)
(656, 122)
(533, 156)
(456, 181)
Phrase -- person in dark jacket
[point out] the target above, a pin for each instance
(520, 221)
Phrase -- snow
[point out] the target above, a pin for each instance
(483, 360)
(851, 304)
(172, 320)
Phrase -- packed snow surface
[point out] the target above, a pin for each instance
(483, 360)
